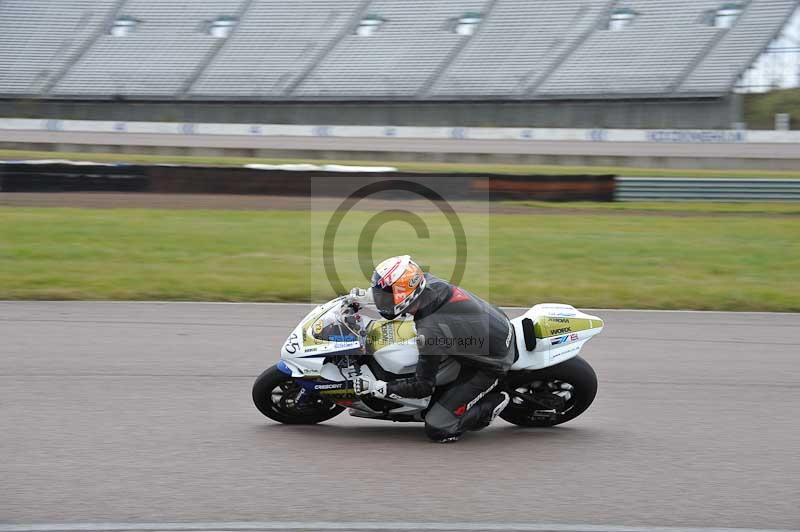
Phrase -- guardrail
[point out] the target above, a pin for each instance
(721, 189)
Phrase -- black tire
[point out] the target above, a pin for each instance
(274, 383)
(575, 372)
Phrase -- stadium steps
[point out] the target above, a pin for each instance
(85, 47)
(760, 24)
(212, 53)
(699, 58)
(360, 13)
(452, 57)
(568, 51)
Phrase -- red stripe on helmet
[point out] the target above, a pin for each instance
(383, 280)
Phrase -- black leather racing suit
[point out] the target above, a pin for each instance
(452, 322)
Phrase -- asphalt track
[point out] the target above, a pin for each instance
(140, 413)
(768, 151)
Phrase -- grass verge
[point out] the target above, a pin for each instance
(588, 260)
(510, 169)
(699, 208)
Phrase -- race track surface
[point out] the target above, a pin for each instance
(141, 412)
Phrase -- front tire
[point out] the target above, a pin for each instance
(278, 397)
(551, 396)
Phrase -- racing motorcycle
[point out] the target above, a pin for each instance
(548, 383)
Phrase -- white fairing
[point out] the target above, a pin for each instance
(301, 354)
(561, 331)
(554, 346)
(398, 358)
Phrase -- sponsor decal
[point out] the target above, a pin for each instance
(480, 395)
(559, 341)
(566, 351)
(414, 281)
(387, 331)
(573, 337)
(318, 327)
(342, 338)
(562, 330)
(598, 135)
(344, 391)
(558, 320)
(696, 137)
(335, 386)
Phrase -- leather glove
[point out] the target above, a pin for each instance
(357, 293)
(364, 385)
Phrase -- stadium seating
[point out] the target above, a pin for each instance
(647, 57)
(379, 49)
(168, 46)
(38, 38)
(718, 71)
(517, 45)
(400, 58)
(274, 45)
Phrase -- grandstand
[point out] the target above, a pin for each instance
(567, 62)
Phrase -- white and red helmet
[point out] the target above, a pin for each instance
(396, 283)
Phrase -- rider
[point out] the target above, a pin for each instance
(450, 322)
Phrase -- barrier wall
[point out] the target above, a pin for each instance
(659, 136)
(62, 177)
(684, 113)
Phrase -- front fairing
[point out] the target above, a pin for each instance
(304, 350)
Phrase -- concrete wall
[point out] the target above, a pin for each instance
(633, 114)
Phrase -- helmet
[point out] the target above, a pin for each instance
(396, 283)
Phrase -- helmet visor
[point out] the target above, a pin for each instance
(384, 301)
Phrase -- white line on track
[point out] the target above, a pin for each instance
(324, 526)
(288, 304)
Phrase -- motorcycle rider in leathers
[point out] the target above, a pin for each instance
(450, 322)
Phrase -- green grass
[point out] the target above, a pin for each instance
(510, 169)
(588, 260)
(691, 207)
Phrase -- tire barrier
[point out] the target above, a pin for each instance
(62, 177)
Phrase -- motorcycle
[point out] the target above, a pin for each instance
(549, 383)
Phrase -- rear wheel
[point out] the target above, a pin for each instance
(279, 397)
(551, 396)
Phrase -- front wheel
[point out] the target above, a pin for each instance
(280, 398)
(550, 396)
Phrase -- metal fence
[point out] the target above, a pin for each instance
(722, 189)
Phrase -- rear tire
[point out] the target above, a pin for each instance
(574, 375)
(274, 394)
